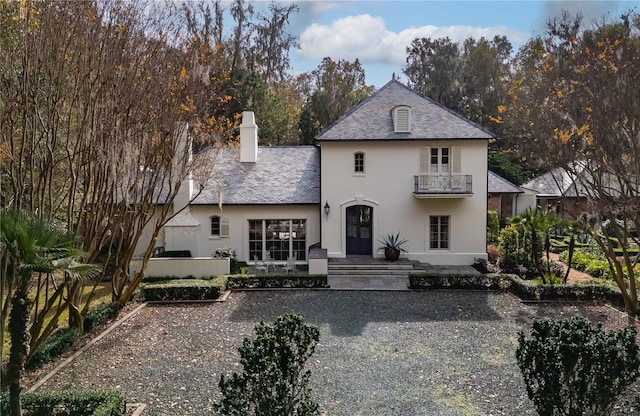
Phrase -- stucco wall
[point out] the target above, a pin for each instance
(239, 216)
(387, 185)
(182, 267)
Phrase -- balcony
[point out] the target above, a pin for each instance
(442, 186)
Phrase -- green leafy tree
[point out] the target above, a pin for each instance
(537, 226)
(333, 89)
(574, 104)
(493, 227)
(572, 367)
(31, 246)
(274, 382)
(433, 69)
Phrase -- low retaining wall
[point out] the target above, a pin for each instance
(198, 267)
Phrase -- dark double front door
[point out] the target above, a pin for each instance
(359, 229)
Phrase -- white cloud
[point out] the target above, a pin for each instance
(365, 37)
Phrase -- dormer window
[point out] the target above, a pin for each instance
(402, 119)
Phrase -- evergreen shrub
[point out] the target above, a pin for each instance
(573, 367)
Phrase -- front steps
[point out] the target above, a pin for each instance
(367, 273)
(369, 267)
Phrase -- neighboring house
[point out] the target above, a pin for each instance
(508, 199)
(396, 163)
(560, 192)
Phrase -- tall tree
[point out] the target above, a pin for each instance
(334, 88)
(433, 69)
(580, 111)
(271, 42)
(85, 138)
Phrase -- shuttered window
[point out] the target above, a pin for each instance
(219, 227)
(440, 160)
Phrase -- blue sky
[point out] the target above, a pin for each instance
(377, 32)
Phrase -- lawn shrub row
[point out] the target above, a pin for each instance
(69, 403)
(527, 290)
(524, 289)
(182, 289)
(63, 339)
(245, 281)
(458, 281)
(101, 314)
(59, 342)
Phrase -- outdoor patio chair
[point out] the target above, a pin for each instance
(260, 265)
(290, 266)
(268, 262)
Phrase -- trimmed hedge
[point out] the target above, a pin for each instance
(183, 289)
(457, 281)
(101, 314)
(527, 290)
(524, 289)
(63, 339)
(59, 342)
(245, 281)
(69, 403)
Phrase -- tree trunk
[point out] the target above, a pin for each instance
(18, 329)
(572, 244)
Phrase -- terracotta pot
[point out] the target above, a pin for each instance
(391, 254)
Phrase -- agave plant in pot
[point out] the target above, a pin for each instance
(392, 246)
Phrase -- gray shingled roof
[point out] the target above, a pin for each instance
(499, 185)
(282, 175)
(372, 119)
(556, 183)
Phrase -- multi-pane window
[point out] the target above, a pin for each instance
(280, 239)
(215, 226)
(256, 243)
(439, 232)
(219, 226)
(358, 162)
(439, 160)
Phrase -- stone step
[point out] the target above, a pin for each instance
(376, 272)
(370, 266)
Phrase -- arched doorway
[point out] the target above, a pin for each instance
(359, 229)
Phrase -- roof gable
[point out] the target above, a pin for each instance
(372, 119)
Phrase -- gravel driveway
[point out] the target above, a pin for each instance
(380, 353)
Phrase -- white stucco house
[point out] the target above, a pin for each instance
(396, 163)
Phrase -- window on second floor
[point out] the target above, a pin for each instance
(439, 160)
(443, 160)
(358, 162)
